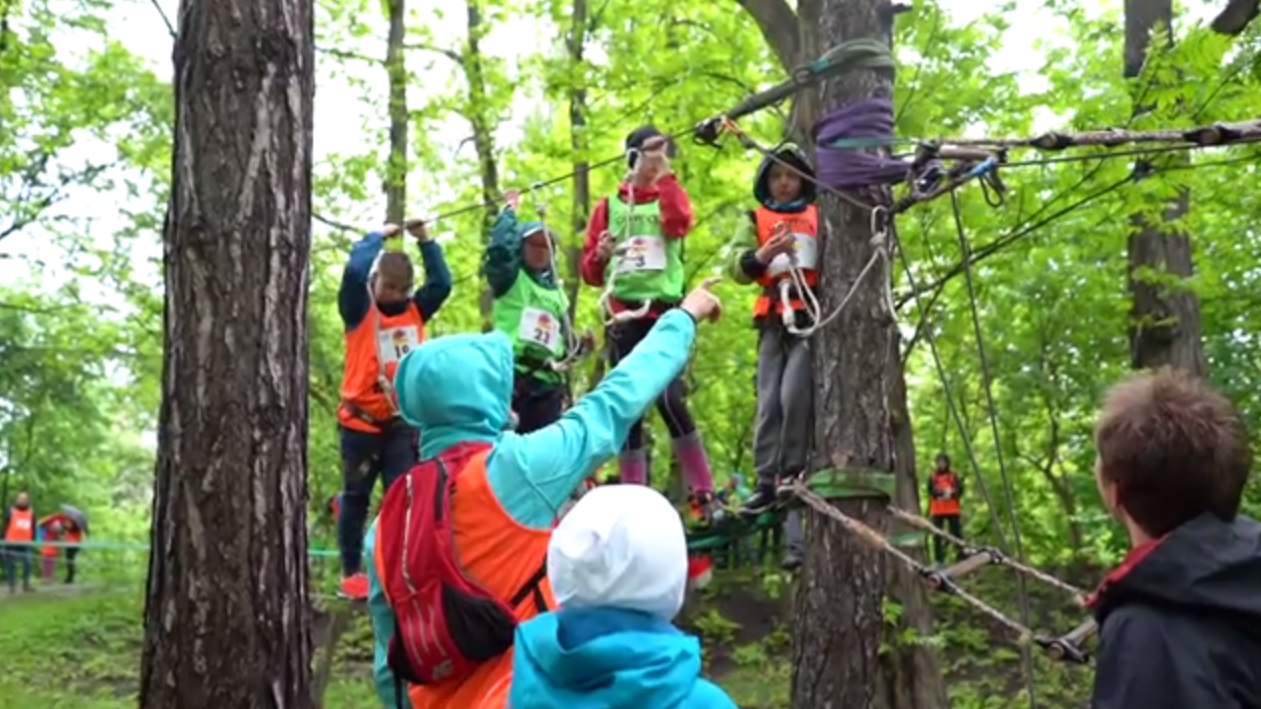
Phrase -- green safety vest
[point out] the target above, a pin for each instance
(652, 267)
(531, 316)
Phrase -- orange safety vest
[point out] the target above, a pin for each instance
(805, 225)
(21, 526)
(503, 556)
(373, 350)
(942, 484)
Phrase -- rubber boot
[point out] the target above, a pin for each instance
(694, 463)
(633, 467)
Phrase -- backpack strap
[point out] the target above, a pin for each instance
(533, 586)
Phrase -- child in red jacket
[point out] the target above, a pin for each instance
(634, 250)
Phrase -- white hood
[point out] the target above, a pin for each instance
(621, 546)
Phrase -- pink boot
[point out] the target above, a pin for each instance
(694, 463)
(633, 467)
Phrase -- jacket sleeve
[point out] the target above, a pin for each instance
(677, 218)
(532, 475)
(352, 297)
(502, 262)
(430, 296)
(1148, 659)
(744, 264)
(592, 265)
(382, 631)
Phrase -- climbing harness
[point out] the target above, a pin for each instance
(572, 345)
(620, 251)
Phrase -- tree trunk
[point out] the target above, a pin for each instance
(578, 143)
(483, 136)
(226, 607)
(1165, 321)
(396, 68)
(911, 672)
(838, 620)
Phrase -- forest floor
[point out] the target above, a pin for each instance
(60, 648)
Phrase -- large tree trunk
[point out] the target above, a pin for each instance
(1164, 319)
(838, 620)
(226, 606)
(396, 68)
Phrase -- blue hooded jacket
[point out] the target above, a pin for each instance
(458, 389)
(608, 658)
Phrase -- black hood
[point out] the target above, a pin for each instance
(1206, 564)
(792, 155)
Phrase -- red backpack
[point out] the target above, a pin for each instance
(445, 623)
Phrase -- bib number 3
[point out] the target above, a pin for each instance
(644, 253)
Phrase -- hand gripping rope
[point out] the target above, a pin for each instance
(633, 156)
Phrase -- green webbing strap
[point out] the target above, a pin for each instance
(852, 482)
(732, 528)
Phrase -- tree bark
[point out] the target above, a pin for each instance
(578, 143)
(480, 120)
(226, 607)
(838, 620)
(396, 69)
(1165, 326)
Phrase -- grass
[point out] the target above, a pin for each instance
(61, 649)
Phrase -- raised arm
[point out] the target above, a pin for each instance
(677, 218)
(502, 261)
(353, 298)
(433, 293)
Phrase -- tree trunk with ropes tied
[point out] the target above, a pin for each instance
(396, 70)
(226, 604)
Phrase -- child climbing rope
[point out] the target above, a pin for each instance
(617, 564)
(383, 321)
(510, 489)
(1180, 619)
(945, 490)
(531, 309)
(634, 250)
(777, 248)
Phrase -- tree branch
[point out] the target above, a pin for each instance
(335, 224)
(778, 23)
(448, 53)
(341, 54)
(1235, 17)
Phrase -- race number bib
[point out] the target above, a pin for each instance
(540, 327)
(806, 251)
(643, 253)
(393, 343)
(23, 524)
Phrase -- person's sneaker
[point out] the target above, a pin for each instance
(354, 587)
(785, 487)
(762, 499)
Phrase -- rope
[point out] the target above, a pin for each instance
(991, 409)
(875, 540)
(572, 353)
(927, 526)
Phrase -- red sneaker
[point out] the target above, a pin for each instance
(355, 587)
(700, 571)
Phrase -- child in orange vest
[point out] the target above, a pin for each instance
(944, 490)
(19, 532)
(777, 248)
(383, 321)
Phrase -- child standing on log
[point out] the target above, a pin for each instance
(1180, 619)
(634, 249)
(777, 248)
(530, 308)
(383, 321)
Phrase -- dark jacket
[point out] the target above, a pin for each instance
(1180, 621)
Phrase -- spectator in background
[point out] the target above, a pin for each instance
(19, 533)
(945, 488)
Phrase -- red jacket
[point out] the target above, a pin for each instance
(677, 219)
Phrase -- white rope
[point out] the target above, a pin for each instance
(619, 253)
(572, 344)
(797, 278)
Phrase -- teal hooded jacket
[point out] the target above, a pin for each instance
(458, 389)
(606, 658)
